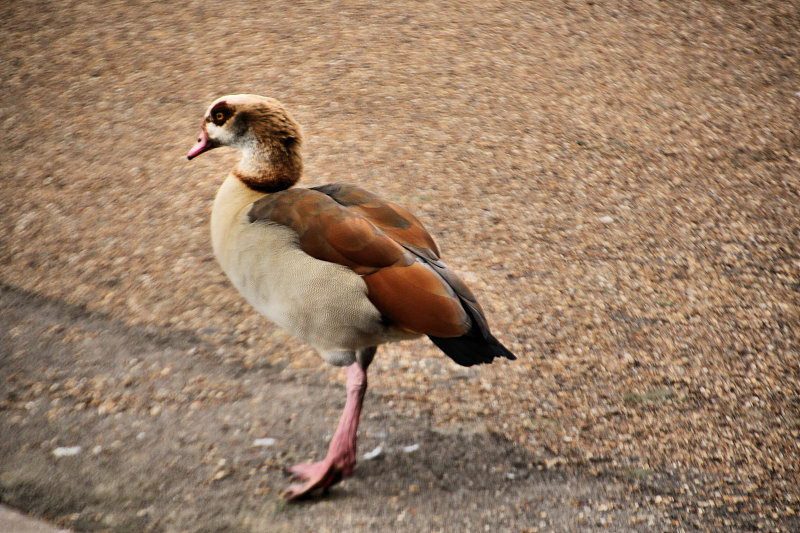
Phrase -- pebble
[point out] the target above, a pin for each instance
(67, 451)
(376, 452)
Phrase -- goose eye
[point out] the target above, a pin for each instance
(219, 116)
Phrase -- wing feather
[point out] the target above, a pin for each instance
(394, 220)
(400, 284)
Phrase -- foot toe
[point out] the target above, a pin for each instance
(312, 477)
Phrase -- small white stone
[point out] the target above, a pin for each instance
(606, 219)
(411, 448)
(67, 451)
(374, 453)
(266, 441)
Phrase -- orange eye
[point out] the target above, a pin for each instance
(218, 116)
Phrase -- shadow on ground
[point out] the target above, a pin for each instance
(111, 427)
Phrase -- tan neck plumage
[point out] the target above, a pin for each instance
(270, 168)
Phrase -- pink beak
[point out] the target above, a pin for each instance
(203, 144)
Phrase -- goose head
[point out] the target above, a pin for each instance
(263, 131)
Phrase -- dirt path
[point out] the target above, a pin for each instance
(168, 444)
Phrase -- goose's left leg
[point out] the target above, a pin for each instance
(341, 458)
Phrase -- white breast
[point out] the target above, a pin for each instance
(322, 303)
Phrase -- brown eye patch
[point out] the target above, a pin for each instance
(220, 113)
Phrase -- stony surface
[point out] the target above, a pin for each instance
(117, 428)
(15, 522)
(619, 182)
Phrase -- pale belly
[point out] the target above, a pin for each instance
(322, 303)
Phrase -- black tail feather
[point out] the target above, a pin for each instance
(476, 347)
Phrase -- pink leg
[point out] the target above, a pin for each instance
(341, 457)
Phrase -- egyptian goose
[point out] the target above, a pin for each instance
(337, 266)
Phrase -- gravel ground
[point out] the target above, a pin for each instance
(123, 429)
(619, 182)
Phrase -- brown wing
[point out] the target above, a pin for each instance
(392, 219)
(412, 295)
